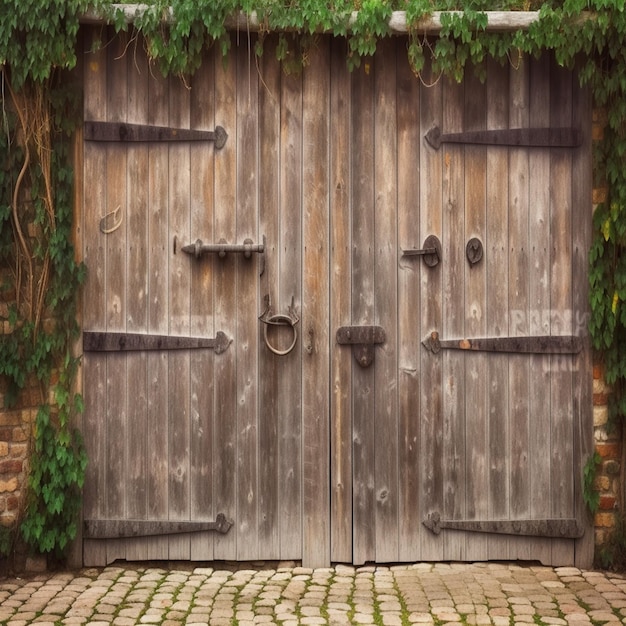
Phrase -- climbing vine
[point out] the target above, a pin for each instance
(38, 40)
(39, 275)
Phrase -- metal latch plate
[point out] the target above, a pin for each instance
(361, 335)
(362, 339)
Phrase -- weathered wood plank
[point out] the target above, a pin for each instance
(271, 486)
(137, 305)
(518, 496)
(225, 299)
(246, 347)
(315, 308)
(476, 390)
(386, 304)
(290, 286)
(202, 200)
(116, 300)
(539, 302)
(497, 322)
(561, 288)
(582, 409)
(158, 316)
(94, 369)
(409, 306)
(340, 306)
(454, 463)
(363, 312)
(431, 205)
(179, 317)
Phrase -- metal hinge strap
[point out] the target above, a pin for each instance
(557, 528)
(121, 132)
(120, 529)
(126, 342)
(521, 137)
(544, 344)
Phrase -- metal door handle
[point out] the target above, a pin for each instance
(430, 252)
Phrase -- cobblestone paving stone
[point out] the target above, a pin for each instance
(404, 595)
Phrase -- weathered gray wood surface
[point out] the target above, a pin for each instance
(340, 307)
(313, 456)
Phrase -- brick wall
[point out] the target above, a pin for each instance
(15, 438)
(16, 426)
(608, 443)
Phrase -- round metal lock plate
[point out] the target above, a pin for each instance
(474, 250)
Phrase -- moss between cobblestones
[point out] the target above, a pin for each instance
(404, 611)
(324, 607)
(587, 607)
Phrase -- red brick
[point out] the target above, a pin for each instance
(11, 466)
(6, 434)
(607, 503)
(13, 503)
(608, 450)
(598, 371)
(600, 399)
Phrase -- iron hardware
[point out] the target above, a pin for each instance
(269, 318)
(119, 131)
(522, 137)
(474, 250)
(558, 528)
(120, 529)
(125, 342)
(545, 344)
(110, 222)
(222, 248)
(430, 252)
(362, 339)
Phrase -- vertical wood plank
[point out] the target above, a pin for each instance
(273, 487)
(202, 193)
(363, 312)
(315, 307)
(409, 306)
(225, 299)
(539, 289)
(431, 287)
(137, 304)
(246, 346)
(386, 304)
(158, 315)
(518, 301)
(582, 365)
(94, 368)
(179, 321)
(562, 469)
(115, 286)
(454, 441)
(476, 418)
(497, 310)
(340, 306)
(290, 287)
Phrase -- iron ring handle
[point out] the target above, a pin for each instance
(280, 320)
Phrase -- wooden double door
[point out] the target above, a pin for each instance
(344, 409)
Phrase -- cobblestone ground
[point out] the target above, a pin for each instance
(500, 594)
